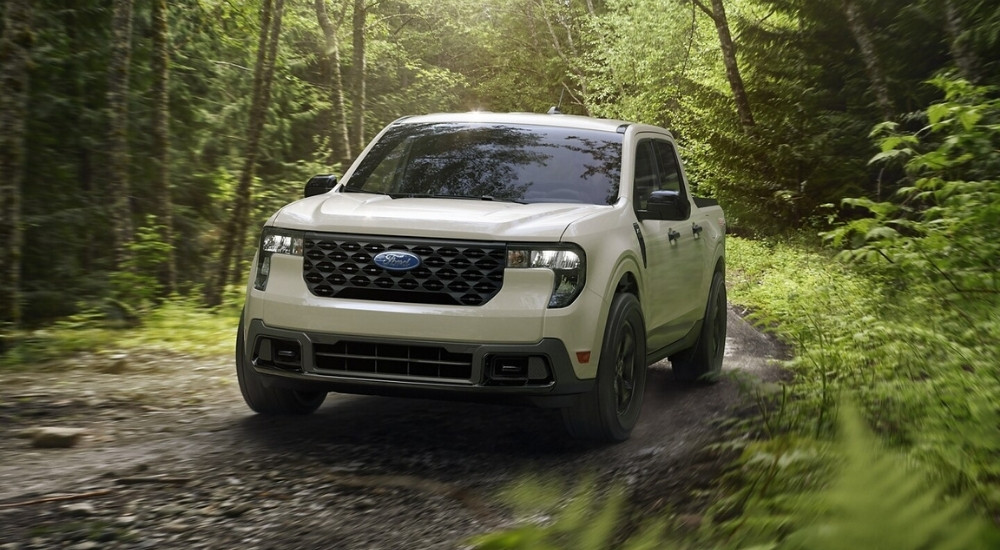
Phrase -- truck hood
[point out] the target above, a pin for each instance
(436, 218)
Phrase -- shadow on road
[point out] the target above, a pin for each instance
(413, 425)
(493, 436)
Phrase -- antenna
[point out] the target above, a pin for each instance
(554, 110)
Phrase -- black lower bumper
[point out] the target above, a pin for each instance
(539, 373)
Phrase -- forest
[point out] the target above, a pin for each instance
(146, 142)
(854, 143)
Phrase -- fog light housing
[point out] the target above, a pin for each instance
(518, 370)
(278, 353)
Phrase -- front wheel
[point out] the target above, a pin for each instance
(703, 362)
(611, 409)
(266, 399)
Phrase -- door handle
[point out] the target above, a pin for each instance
(696, 229)
(672, 235)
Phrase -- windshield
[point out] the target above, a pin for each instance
(493, 162)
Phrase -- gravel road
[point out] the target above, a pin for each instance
(170, 457)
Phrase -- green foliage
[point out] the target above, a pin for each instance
(922, 372)
(661, 63)
(136, 285)
(942, 229)
(524, 55)
(178, 325)
(552, 520)
(878, 500)
(847, 494)
(937, 242)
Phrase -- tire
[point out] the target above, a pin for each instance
(265, 399)
(703, 362)
(611, 409)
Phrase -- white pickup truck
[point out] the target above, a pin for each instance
(539, 258)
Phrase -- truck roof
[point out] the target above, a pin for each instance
(559, 120)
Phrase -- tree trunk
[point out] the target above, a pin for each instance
(569, 54)
(358, 77)
(866, 44)
(340, 139)
(239, 259)
(161, 141)
(732, 68)
(965, 58)
(119, 192)
(718, 15)
(15, 47)
(234, 232)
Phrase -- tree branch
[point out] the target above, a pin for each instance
(708, 11)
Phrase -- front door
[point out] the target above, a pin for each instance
(675, 253)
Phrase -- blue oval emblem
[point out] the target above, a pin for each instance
(396, 260)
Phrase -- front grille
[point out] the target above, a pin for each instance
(450, 272)
(393, 360)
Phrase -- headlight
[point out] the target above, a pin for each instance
(567, 262)
(274, 240)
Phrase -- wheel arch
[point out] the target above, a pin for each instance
(625, 277)
(720, 265)
(720, 257)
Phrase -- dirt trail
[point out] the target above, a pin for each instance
(173, 458)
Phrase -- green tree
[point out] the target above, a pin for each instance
(15, 46)
(358, 74)
(870, 55)
(340, 139)
(234, 232)
(717, 13)
(118, 188)
(161, 141)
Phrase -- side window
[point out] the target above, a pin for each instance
(645, 181)
(669, 166)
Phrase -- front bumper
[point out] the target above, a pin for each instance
(518, 314)
(539, 373)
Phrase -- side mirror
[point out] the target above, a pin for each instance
(317, 185)
(667, 205)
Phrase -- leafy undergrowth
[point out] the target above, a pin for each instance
(905, 321)
(179, 324)
(925, 381)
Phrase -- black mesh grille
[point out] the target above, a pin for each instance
(449, 273)
(393, 360)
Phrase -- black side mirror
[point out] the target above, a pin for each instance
(317, 185)
(667, 205)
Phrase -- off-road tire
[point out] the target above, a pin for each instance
(265, 399)
(611, 409)
(703, 362)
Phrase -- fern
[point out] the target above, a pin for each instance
(878, 500)
(584, 521)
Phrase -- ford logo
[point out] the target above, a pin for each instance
(396, 260)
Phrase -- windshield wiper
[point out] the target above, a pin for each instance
(444, 196)
(349, 189)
